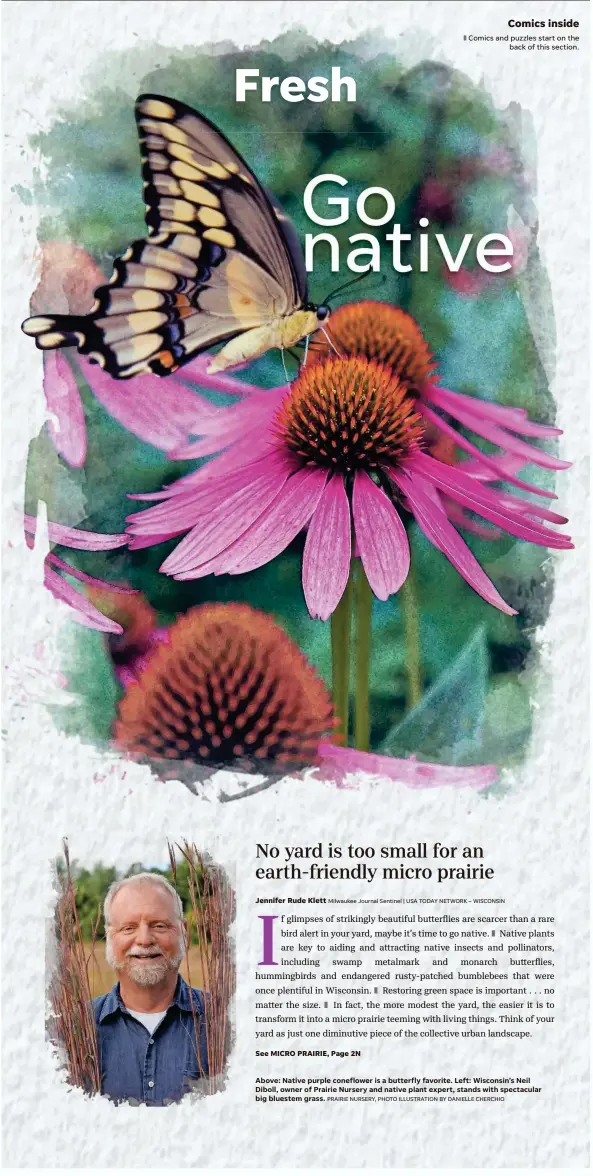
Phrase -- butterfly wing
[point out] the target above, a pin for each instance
(191, 171)
(219, 259)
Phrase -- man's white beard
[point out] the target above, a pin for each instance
(146, 972)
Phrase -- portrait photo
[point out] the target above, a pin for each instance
(141, 976)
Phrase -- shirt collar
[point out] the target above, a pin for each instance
(113, 1002)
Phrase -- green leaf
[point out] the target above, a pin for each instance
(447, 725)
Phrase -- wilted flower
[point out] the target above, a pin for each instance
(56, 570)
(229, 688)
(343, 451)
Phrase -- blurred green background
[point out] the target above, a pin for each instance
(437, 144)
(91, 888)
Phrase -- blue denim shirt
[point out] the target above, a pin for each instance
(157, 1068)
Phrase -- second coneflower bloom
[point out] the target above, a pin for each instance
(344, 452)
(229, 688)
(228, 685)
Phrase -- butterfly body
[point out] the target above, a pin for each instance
(282, 333)
(221, 262)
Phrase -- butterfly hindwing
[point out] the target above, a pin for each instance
(218, 259)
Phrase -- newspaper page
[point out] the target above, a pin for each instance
(295, 817)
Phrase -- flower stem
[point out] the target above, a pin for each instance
(340, 642)
(414, 675)
(364, 608)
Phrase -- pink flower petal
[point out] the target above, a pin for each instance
(179, 512)
(532, 510)
(63, 402)
(326, 558)
(252, 439)
(141, 542)
(341, 760)
(196, 371)
(506, 463)
(491, 504)
(255, 413)
(163, 411)
(481, 418)
(277, 527)
(486, 459)
(86, 613)
(509, 418)
(182, 510)
(251, 447)
(55, 562)
(457, 515)
(381, 537)
(228, 518)
(432, 520)
(75, 538)
(511, 444)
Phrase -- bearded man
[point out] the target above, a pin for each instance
(151, 1026)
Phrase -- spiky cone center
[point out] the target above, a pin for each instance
(349, 414)
(229, 685)
(382, 332)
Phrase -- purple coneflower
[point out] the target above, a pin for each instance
(345, 452)
(56, 569)
(229, 688)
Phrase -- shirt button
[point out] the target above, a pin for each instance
(151, 1041)
(151, 1084)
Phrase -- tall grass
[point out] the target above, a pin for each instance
(212, 903)
(72, 1025)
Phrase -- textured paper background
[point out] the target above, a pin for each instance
(536, 836)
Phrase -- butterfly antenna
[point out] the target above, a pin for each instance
(352, 282)
(306, 351)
